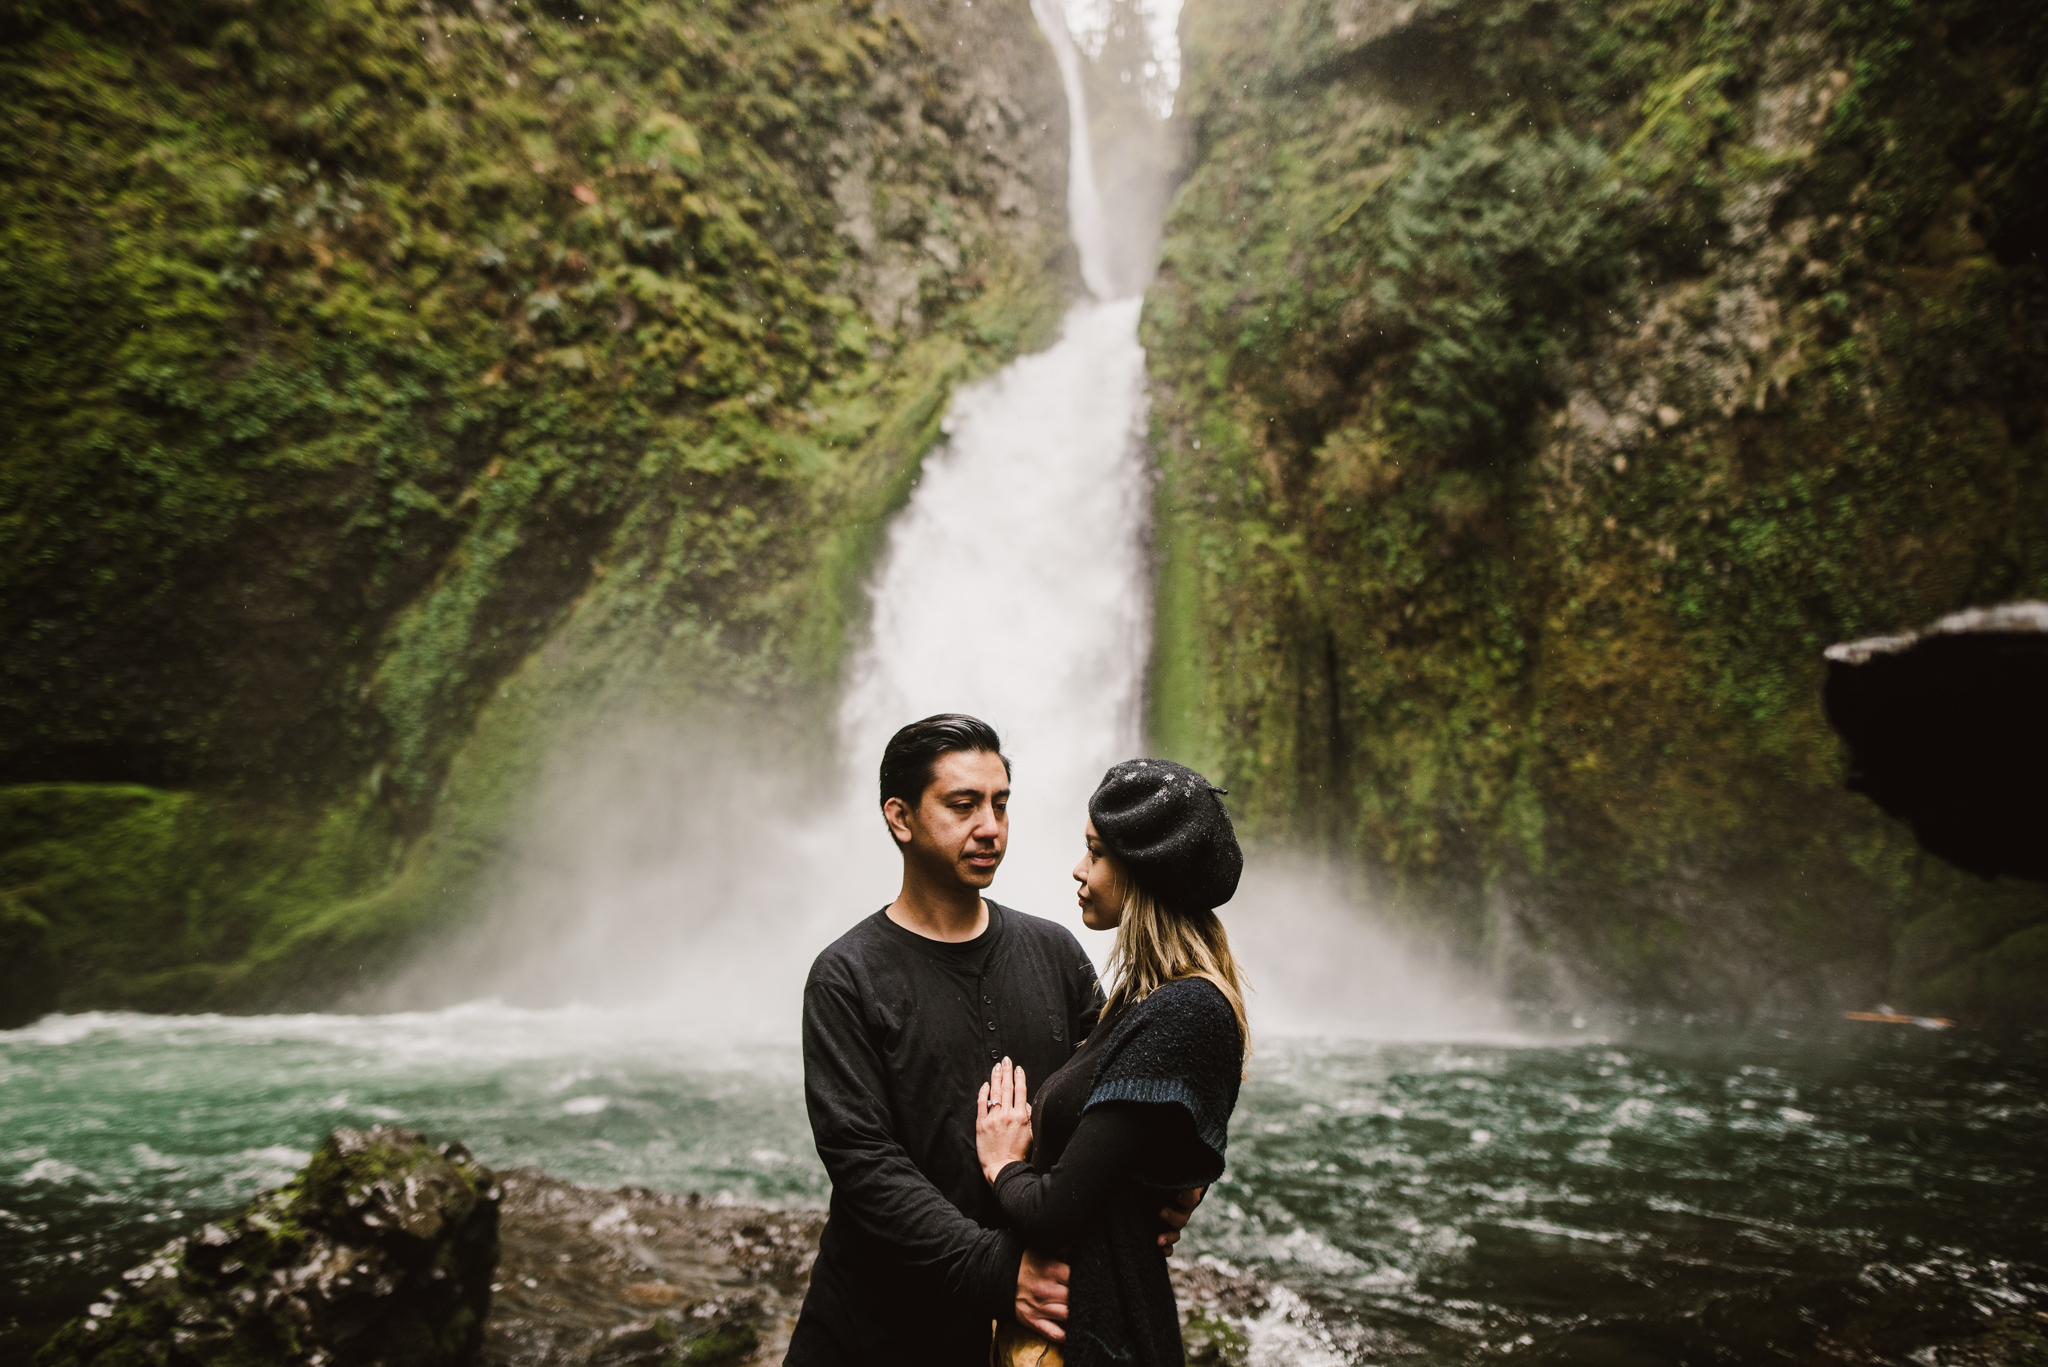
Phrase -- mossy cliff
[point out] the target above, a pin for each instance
(1540, 386)
(390, 385)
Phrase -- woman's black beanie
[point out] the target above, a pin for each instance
(1165, 823)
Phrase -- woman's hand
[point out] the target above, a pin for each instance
(1002, 1126)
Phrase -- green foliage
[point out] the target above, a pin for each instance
(353, 350)
(390, 285)
(145, 898)
(1512, 488)
(1493, 244)
(1213, 1341)
(729, 1342)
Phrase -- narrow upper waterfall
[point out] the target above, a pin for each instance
(1086, 220)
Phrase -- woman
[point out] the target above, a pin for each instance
(1142, 1106)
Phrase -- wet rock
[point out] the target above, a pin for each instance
(1361, 22)
(1217, 1305)
(386, 1251)
(638, 1278)
(1947, 731)
(2010, 1341)
(380, 1252)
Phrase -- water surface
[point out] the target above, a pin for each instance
(1821, 1193)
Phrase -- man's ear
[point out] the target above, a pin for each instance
(896, 812)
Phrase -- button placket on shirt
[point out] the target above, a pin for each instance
(988, 1007)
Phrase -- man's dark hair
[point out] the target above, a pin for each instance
(913, 752)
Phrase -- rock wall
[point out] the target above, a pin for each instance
(1539, 389)
(390, 386)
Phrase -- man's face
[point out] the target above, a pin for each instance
(962, 821)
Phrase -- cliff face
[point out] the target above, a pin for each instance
(389, 385)
(1540, 388)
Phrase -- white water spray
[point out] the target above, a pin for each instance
(689, 872)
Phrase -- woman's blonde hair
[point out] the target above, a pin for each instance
(1156, 946)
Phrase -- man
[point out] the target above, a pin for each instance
(903, 1016)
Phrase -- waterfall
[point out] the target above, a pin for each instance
(1086, 221)
(684, 869)
(695, 874)
(1014, 587)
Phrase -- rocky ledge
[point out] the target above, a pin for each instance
(1946, 731)
(381, 1251)
(389, 1251)
(636, 1278)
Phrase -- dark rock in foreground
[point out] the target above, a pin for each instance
(635, 1278)
(386, 1251)
(1948, 731)
(380, 1252)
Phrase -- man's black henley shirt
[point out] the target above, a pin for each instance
(899, 1034)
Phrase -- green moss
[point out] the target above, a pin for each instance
(727, 1343)
(381, 1250)
(1213, 1341)
(1540, 389)
(353, 352)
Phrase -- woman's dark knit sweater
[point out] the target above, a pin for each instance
(1140, 1111)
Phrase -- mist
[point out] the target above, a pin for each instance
(694, 868)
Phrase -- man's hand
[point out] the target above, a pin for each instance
(1175, 1216)
(1042, 1295)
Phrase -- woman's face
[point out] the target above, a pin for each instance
(1102, 891)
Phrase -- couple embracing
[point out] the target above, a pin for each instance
(1012, 1154)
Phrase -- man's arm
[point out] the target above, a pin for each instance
(874, 1181)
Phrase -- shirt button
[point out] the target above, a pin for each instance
(991, 1025)
(993, 1055)
(988, 1001)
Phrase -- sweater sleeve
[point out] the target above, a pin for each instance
(1050, 1209)
(874, 1181)
(1178, 1050)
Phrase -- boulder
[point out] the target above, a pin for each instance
(381, 1252)
(1947, 730)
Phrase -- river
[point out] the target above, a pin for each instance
(1420, 1176)
(1646, 1194)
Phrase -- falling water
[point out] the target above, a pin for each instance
(1627, 1195)
(698, 874)
(1085, 217)
(1014, 588)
